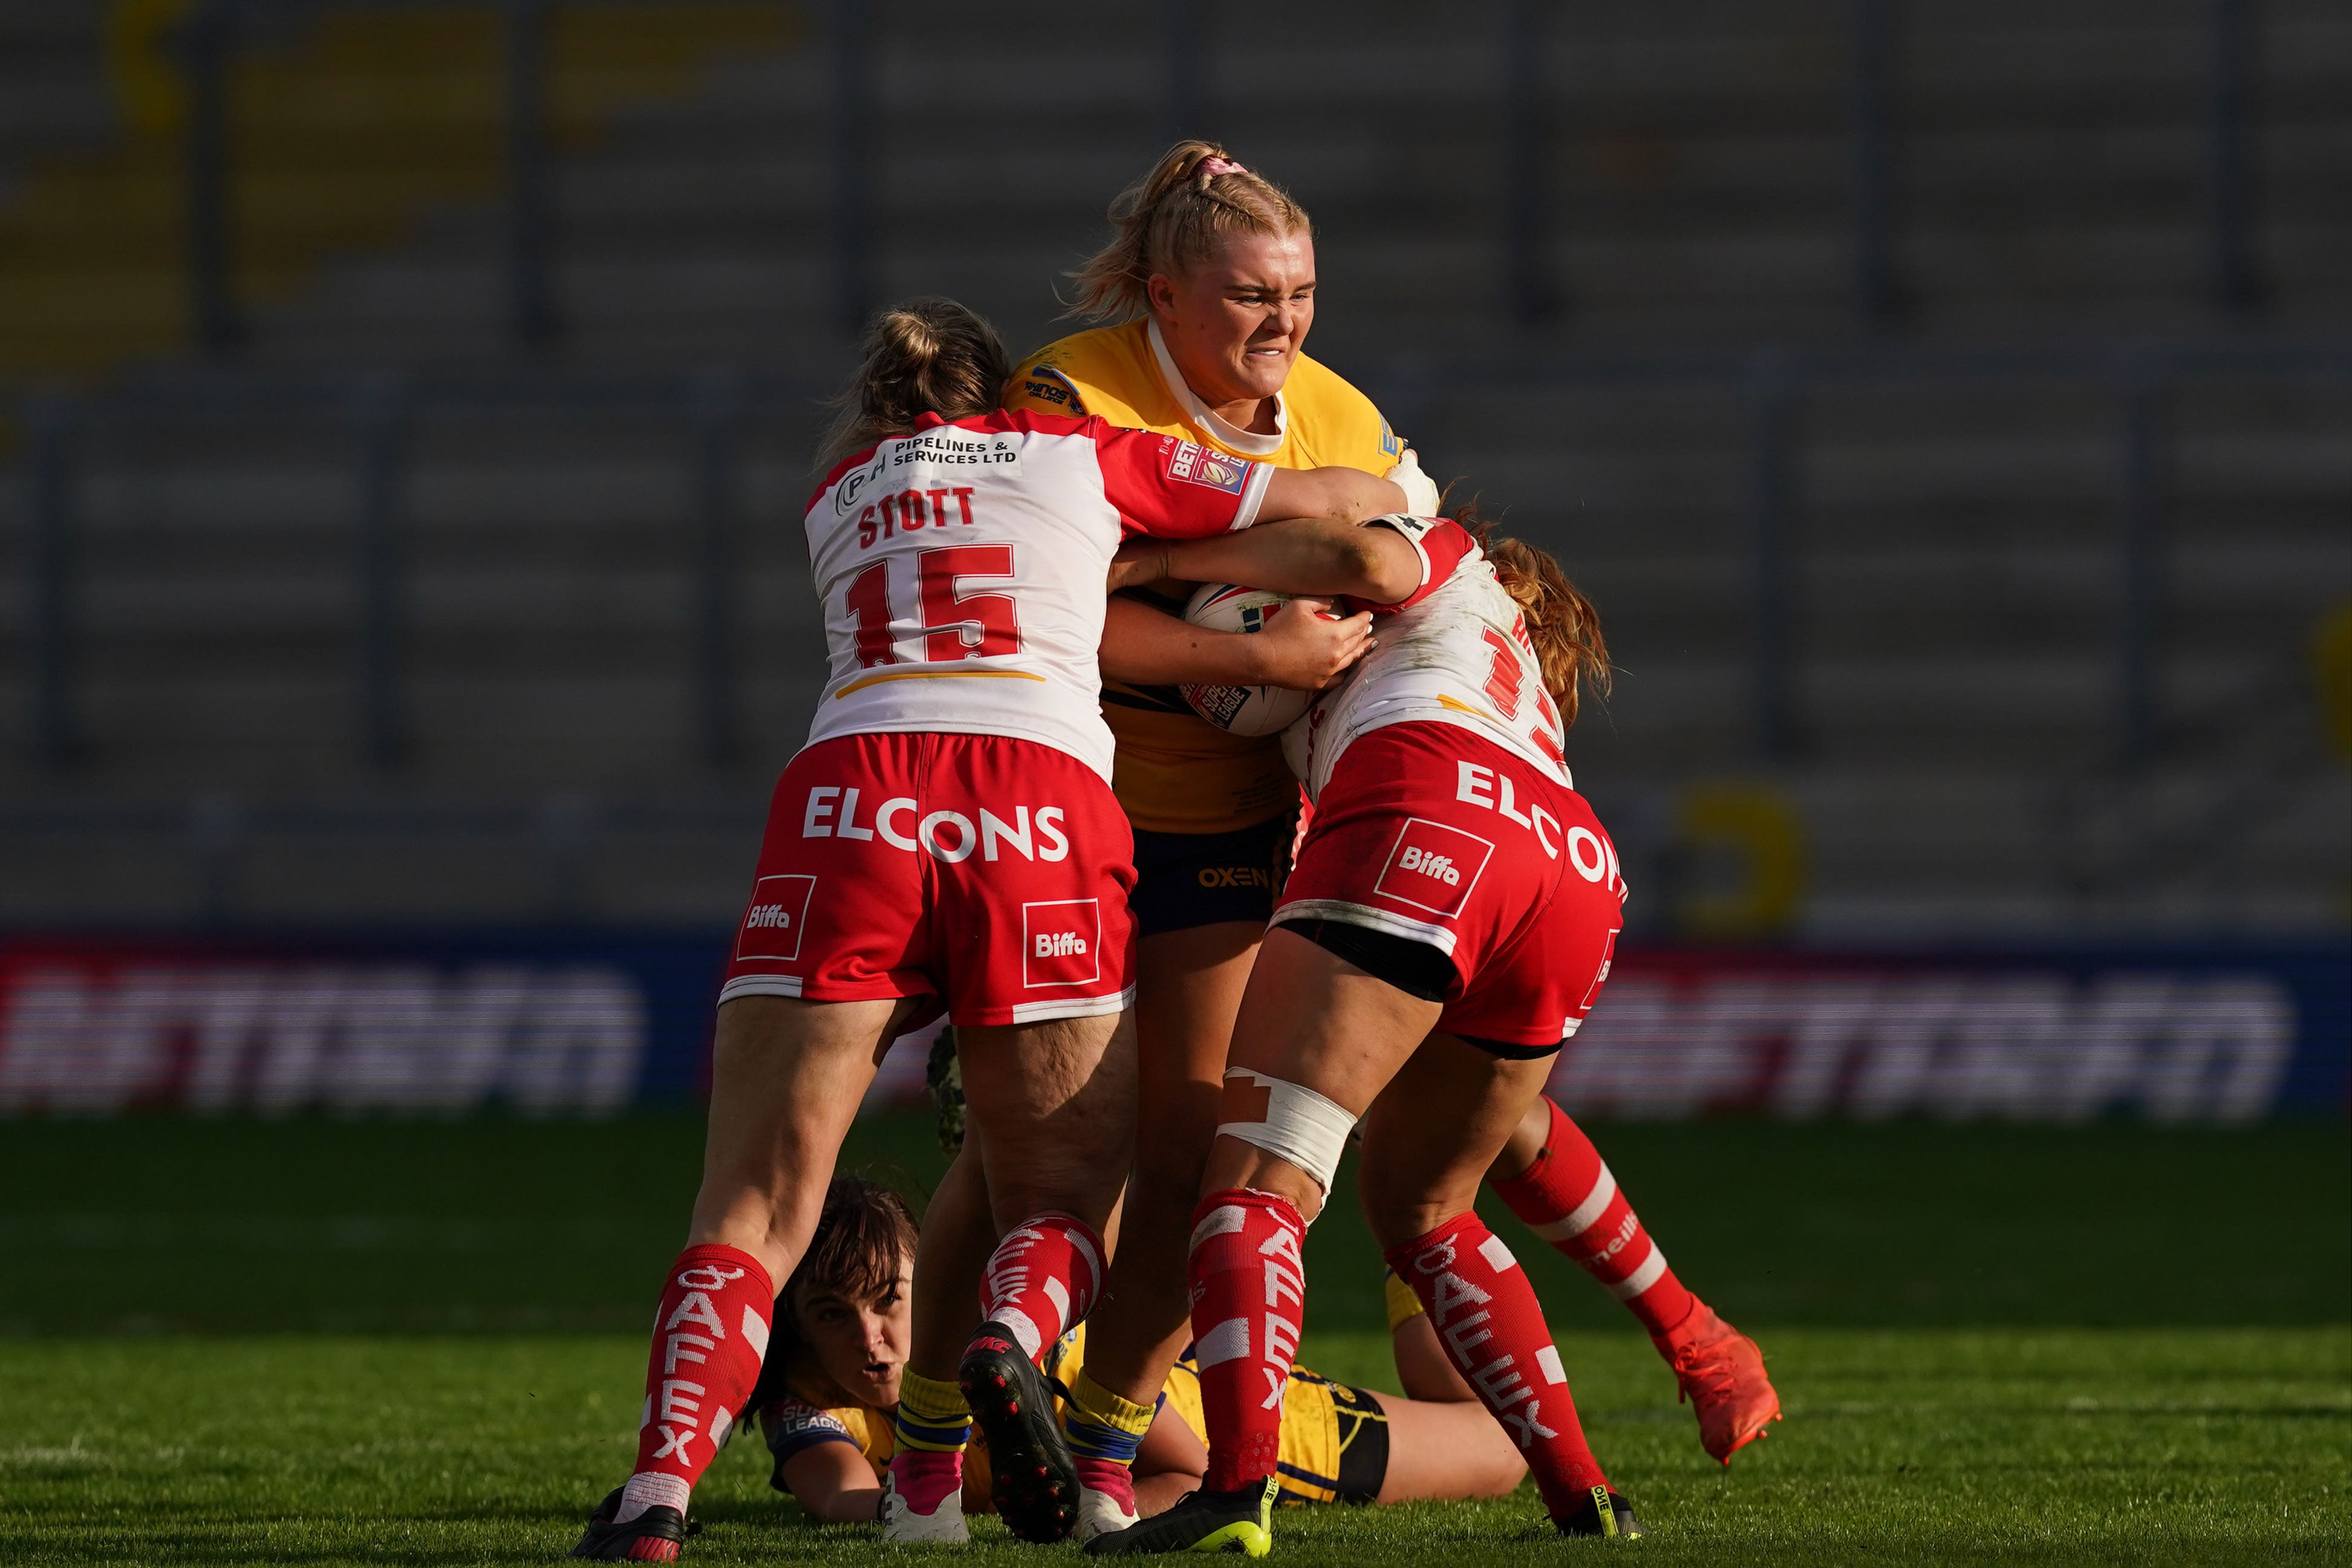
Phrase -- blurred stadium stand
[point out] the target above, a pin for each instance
(1949, 406)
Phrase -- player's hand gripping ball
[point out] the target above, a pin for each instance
(1240, 710)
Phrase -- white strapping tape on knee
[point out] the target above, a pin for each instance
(1300, 1125)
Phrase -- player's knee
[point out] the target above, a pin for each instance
(1050, 1179)
(1500, 1471)
(1294, 1123)
(1169, 1169)
(1399, 1211)
(1234, 1162)
(1527, 1140)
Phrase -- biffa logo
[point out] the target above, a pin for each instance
(771, 926)
(1061, 942)
(1434, 867)
(1439, 866)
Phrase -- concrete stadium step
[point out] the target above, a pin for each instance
(1697, 181)
(1953, 628)
(345, 127)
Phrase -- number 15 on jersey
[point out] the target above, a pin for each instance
(950, 586)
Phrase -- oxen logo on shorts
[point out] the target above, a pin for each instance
(1434, 867)
(1061, 942)
(771, 927)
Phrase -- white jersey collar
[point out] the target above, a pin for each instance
(1248, 443)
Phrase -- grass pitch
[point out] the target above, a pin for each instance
(319, 1343)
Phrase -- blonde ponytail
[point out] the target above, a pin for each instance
(1172, 220)
(930, 355)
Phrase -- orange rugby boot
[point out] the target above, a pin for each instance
(1722, 1374)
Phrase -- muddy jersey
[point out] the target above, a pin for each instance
(961, 569)
(1454, 652)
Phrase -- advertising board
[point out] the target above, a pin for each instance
(557, 1023)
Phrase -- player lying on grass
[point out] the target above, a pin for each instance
(827, 1394)
(947, 840)
(1448, 923)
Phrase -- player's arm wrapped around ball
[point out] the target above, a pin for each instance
(1303, 646)
(1316, 555)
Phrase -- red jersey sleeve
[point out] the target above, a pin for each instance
(1173, 488)
(1440, 543)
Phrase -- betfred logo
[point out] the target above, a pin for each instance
(1061, 942)
(771, 926)
(1197, 464)
(1434, 867)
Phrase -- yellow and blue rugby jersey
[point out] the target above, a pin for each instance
(1319, 1417)
(796, 1423)
(1175, 772)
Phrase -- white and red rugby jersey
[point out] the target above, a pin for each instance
(1454, 652)
(961, 568)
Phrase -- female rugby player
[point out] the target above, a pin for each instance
(825, 1394)
(1448, 922)
(1209, 288)
(947, 840)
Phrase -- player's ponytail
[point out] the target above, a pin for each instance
(930, 355)
(1561, 622)
(1173, 219)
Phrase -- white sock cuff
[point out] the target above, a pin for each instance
(1642, 1278)
(652, 1489)
(1585, 1214)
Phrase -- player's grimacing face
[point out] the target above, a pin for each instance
(1234, 324)
(861, 1345)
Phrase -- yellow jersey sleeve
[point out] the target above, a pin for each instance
(1107, 372)
(794, 1425)
(1333, 426)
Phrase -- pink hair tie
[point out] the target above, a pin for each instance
(1213, 167)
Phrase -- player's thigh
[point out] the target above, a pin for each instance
(1438, 1451)
(786, 1078)
(1312, 1018)
(1309, 1020)
(1055, 1103)
(1434, 1129)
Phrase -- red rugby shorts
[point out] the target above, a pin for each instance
(1429, 831)
(990, 872)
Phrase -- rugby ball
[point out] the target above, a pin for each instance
(1240, 710)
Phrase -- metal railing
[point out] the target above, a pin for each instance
(710, 411)
(206, 44)
(216, 834)
(377, 412)
(1777, 382)
(1528, 291)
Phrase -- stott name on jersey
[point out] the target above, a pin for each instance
(944, 447)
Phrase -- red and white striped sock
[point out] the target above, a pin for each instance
(1486, 1317)
(1249, 1295)
(710, 1337)
(1042, 1279)
(1569, 1198)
